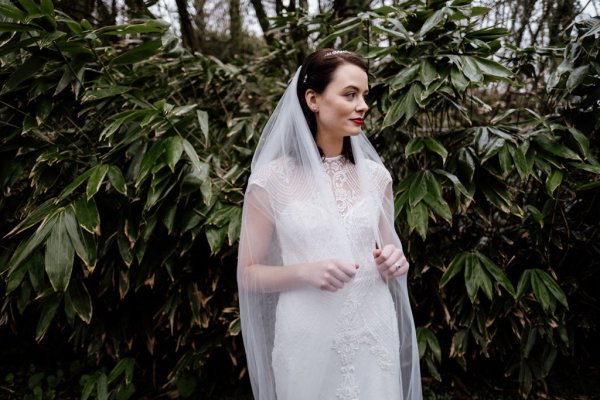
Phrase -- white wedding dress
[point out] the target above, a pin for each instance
(342, 345)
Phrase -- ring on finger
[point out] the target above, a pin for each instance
(397, 265)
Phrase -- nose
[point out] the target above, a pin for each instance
(362, 106)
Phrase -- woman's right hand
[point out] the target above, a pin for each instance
(329, 275)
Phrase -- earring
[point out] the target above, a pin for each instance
(315, 109)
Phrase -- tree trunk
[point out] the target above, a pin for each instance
(263, 19)
(188, 34)
(235, 27)
(200, 22)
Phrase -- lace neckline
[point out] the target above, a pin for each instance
(339, 157)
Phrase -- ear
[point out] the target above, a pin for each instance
(312, 99)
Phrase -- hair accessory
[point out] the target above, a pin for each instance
(336, 52)
(305, 78)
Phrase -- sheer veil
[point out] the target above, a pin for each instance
(287, 168)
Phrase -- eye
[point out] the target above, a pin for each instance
(350, 95)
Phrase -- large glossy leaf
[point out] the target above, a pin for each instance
(540, 290)
(79, 298)
(29, 245)
(87, 214)
(117, 180)
(83, 242)
(418, 218)
(434, 19)
(47, 314)
(405, 77)
(95, 180)
(59, 255)
(173, 151)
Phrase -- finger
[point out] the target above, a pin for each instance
(401, 267)
(349, 270)
(376, 253)
(329, 288)
(334, 281)
(341, 274)
(386, 252)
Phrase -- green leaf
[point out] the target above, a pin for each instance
(415, 145)
(124, 366)
(80, 300)
(203, 121)
(76, 183)
(577, 76)
(87, 215)
(102, 387)
(553, 181)
(436, 147)
(418, 188)
(582, 141)
(173, 151)
(557, 149)
(418, 217)
(470, 69)
(520, 161)
(82, 241)
(149, 160)
(96, 179)
(215, 238)
(12, 12)
(24, 72)
(47, 8)
(432, 21)
(456, 265)
(459, 81)
(200, 167)
(30, 6)
(553, 287)
(28, 246)
(140, 53)
(46, 316)
(492, 68)
(539, 289)
(59, 256)
(524, 282)
(115, 176)
(497, 273)
(34, 217)
(427, 72)
(234, 226)
(472, 282)
(405, 77)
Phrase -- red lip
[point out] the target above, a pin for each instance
(358, 121)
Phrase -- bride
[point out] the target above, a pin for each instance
(321, 271)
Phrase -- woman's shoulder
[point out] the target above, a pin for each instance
(378, 171)
(272, 172)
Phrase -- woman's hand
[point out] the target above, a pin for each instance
(390, 261)
(329, 275)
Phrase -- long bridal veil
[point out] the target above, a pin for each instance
(288, 155)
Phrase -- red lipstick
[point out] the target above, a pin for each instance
(358, 121)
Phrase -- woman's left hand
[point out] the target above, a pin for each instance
(390, 261)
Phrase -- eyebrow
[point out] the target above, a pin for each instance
(354, 88)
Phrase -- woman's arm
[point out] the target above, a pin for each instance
(255, 243)
(390, 259)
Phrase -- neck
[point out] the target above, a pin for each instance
(332, 147)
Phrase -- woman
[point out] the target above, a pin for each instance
(321, 272)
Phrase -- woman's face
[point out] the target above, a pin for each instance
(341, 107)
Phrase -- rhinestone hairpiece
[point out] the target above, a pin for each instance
(336, 52)
(305, 78)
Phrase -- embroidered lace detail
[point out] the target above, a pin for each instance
(343, 181)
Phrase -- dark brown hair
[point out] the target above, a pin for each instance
(316, 73)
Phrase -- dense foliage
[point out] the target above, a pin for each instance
(124, 160)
